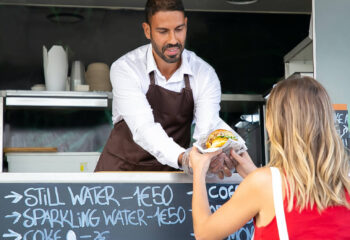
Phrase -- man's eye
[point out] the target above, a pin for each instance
(162, 32)
(178, 29)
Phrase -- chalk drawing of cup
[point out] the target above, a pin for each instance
(71, 235)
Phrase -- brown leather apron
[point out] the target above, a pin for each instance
(173, 110)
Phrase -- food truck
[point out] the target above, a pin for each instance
(52, 136)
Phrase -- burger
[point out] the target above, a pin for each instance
(218, 138)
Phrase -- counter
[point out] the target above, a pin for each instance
(111, 205)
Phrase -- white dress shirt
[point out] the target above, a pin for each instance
(130, 81)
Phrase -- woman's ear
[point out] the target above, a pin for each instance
(147, 30)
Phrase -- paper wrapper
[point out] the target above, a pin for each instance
(237, 145)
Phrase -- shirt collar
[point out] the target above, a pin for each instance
(152, 66)
(151, 63)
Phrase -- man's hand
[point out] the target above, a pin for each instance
(184, 161)
(221, 165)
(179, 159)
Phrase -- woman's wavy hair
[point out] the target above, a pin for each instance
(305, 145)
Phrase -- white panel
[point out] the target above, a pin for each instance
(332, 47)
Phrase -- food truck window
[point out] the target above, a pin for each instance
(245, 49)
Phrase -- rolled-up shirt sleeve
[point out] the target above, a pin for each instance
(207, 104)
(131, 103)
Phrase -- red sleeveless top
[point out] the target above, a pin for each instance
(333, 223)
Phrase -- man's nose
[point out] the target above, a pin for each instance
(172, 38)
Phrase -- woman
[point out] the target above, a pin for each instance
(307, 158)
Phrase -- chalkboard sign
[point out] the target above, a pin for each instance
(115, 211)
(341, 116)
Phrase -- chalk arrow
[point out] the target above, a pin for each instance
(16, 197)
(16, 215)
(12, 234)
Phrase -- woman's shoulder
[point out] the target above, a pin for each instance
(260, 177)
(259, 182)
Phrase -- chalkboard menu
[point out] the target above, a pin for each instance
(341, 116)
(115, 211)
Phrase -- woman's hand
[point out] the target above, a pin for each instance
(245, 165)
(200, 162)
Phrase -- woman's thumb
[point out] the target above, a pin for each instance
(236, 156)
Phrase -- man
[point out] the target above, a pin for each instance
(158, 90)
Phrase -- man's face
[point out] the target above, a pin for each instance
(167, 32)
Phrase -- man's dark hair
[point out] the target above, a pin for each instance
(154, 6)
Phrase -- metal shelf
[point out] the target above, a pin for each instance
(22, 98)
(300, 59)
(301, 52)
(56, 99)
(241, 103)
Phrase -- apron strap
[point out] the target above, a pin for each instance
(187, 82)
(278, 203)
(151, 77)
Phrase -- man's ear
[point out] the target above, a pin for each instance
(147, 30)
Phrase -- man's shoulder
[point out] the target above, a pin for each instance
(134, 57)
(196, 62)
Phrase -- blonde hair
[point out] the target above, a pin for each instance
(305, 145)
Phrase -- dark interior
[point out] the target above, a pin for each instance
(246, 49)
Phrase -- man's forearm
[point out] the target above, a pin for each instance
(179, 160)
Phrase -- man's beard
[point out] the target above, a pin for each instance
(170, 59)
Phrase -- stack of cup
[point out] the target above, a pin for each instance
(97, 76)
(77, 76)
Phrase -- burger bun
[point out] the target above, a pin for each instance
(218, 138)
